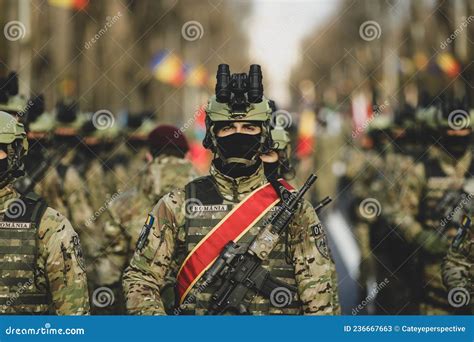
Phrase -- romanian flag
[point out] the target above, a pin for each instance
(197, 77)
(448, 64)
(74, 4)
(169, 68)
(306, 134)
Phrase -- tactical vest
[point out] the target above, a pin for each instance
(200, 219)
(438, 183)
(20, 291)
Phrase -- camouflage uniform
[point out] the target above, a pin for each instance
(418, 221)
(52, 282)
(154, 267)
(42, 268)
(125, 213)
(458, 273)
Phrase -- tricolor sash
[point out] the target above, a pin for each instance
(231, 228)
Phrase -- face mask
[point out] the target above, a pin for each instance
(239, 145)
(456, 145)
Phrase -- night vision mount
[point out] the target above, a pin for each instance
(239, 90)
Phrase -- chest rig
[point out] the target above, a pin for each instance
(445, 202)
(201, 218)
(439, 188)
(20, 291)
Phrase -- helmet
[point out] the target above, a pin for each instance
(13, 138)
(448, 114)
(10, 101)
(238, 98)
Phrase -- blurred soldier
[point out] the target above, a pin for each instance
(167, 170)
(363, 173)
(445, 168)
(237, 132)
(458, 269)
(42, 267)
(390, 250)
(277, 162)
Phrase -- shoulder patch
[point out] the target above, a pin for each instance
(143, 237)
(76, 246)
(317, 229)
(320, 239)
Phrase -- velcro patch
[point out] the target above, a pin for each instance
(15, 225)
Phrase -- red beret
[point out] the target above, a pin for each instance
(168, 135)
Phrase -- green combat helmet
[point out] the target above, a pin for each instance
(449, 114)
(239, 97)
(13, 140)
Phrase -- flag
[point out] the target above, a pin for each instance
(168, 68)
(448, 64)
(74, 4)
(197, 76)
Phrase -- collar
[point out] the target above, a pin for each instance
(235, 189)
(452, 166)
(6, 195)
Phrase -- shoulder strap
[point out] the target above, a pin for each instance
(32, 209)
(205, 190)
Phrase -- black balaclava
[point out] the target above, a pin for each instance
(456, 145)
(3, 162)
(238, 146)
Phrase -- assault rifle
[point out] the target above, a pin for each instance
(239, 267)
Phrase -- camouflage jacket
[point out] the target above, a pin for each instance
(314, 270)
(126, 210)
(458, 268)
(59, 269)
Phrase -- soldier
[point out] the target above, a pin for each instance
(42, 267)
(457, 268)
(446, 167)
(237, 132)
(167, 170)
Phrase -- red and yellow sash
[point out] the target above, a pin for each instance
(231, 228)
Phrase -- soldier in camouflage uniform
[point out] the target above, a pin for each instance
(42, 267)
(446, 167)
(389, 248)
(237, 135)
(458, 271)
(167, 170)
